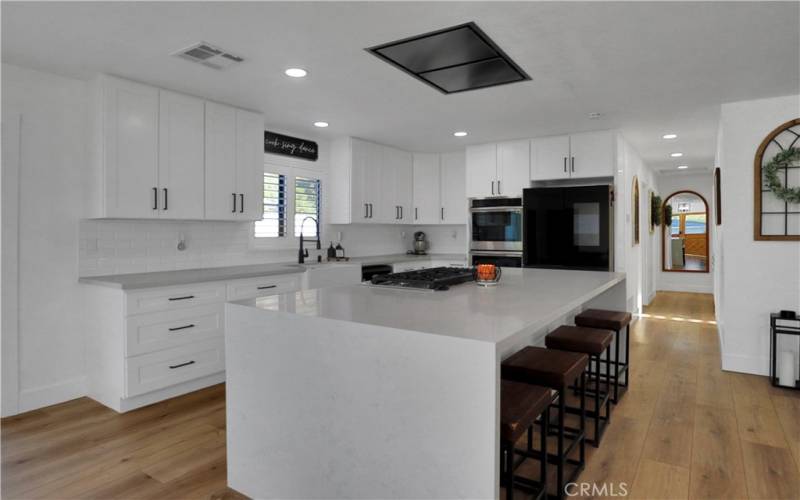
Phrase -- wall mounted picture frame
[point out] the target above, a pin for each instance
(651, 219)
(718, 196)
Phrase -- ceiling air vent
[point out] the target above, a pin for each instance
(208, 55)
(453, 59)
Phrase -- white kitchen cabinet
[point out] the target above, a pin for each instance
(250, 164)
(161, 154)
(576, 156)
(234, 163)
(220, 151)
(395, 187)
(125, 173)
(513, 167)
(181, 160)
(550, 158)
(498, 169)
(592, 154)
(452, 192)
(481, 171)
(428, 188)
(362, 174)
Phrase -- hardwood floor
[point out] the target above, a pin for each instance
(685, 429)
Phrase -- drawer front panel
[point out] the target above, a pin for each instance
(259, 287)
(163, 330)
(157, 370)
(167, 299)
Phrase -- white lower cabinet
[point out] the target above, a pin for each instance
(163, 330)
(161, 369)
(255, 287)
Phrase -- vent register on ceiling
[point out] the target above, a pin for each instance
(208, 55)
(453, 59)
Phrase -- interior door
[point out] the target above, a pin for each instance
(592, 154)
(222, 201)
(426, 180)
(250, 164)
(513, 167)
(181, 158)
(549, 158)
(481, 171)
(130, 120)
(453, 177)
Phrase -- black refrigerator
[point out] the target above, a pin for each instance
(569, 227)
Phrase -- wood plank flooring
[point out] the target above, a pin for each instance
(685, 429)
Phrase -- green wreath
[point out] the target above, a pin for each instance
(772, 181)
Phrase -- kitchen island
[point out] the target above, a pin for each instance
(368, 392)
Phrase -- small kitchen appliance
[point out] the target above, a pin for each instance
(420, 244)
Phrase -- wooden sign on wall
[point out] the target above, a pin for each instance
(280, 144)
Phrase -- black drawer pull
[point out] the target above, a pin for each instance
(172, 367)
(266, 287)
(182, 298)
(180, 328)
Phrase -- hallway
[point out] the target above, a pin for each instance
(686, 429)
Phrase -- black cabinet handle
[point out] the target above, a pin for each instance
(172, 367)
(155, 198)
(443, 210)
(241, 203)
(401, 212)
(573, 163)
(266, 287)
(366, 210)
(492, 187)
(234, 203)
(416, 213)
(370, 210)
(187, 297)
(166, 203)
(180, 328)
(498, 189)
(565, 164)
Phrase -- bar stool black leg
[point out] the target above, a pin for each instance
(608, 383)
(509, 455)
(583, 418)
(545, 430)
(616, 367)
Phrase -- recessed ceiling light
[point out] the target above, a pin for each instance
(676, 155)
(460, 133)
(296, 72)
(683, 167)
(321, 124)
(669, 136)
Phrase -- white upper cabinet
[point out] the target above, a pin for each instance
(222, 201)
(453, 189)
(127, 150)
(161, 154)
(550, 158)
(481, 171)
(427, 204)
(592, 154)
(498, 169)
(513, 167)
(576, 156)
(181, 156)
(250, 164)
(400, 167)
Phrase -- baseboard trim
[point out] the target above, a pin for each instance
(675, 287)
(32, 399)
(745, 364)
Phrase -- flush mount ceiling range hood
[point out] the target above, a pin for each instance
(451, 60)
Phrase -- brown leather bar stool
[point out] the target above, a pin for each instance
(615, 321)
(592, 342)
(556, 370)
(520, 406)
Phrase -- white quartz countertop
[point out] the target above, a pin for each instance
(188, 276)
(524, 299)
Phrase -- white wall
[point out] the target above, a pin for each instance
(756, 277)
(52, 153)
(686, 282)
(629, 257)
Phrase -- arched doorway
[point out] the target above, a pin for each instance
(684, 236)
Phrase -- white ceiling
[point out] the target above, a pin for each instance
(649, 68)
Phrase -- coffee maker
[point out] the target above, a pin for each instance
(420, 244)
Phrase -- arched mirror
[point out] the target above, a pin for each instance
(685, 233)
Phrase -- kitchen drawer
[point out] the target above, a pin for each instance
(165, 299)
(258, 287)
(166, 329)
(157, 370)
